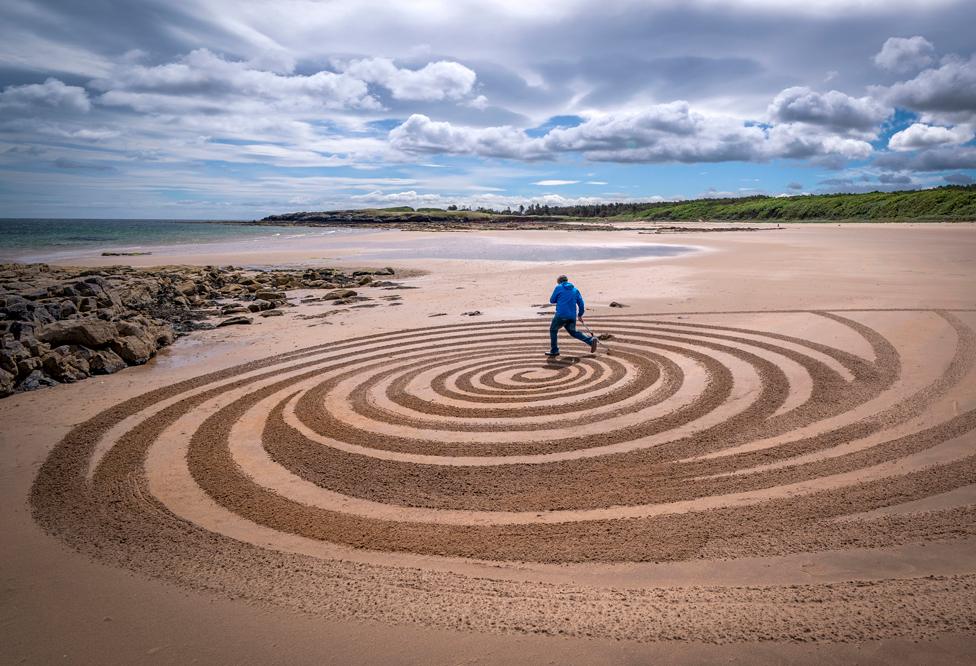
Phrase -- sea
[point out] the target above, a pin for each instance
(64, 240)
(38, 240)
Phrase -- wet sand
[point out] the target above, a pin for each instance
(775, 461)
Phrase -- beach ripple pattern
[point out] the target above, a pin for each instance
(361, 478)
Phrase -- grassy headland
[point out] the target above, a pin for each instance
(950, 203)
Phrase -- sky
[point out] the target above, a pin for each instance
(235, 109)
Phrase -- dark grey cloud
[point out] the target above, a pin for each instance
(936, 159)
(895, 179)
(959, 179)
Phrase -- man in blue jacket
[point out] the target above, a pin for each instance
(567, 298)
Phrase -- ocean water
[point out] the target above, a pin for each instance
(42, 240)
(29, 240)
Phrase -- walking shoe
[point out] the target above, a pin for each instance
(593, 343)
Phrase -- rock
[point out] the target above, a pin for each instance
(86, 332)
(133, 349)
(105, 362)
(7, 380)
(473, 313)
(36, 380)
(64, 365)
(615, 304)
(339, 294)
(100, 319)
(28, 365)
(233, 321)
(67, 309)
(605, 336)
(438, 314)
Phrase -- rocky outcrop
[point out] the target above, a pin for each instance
(61, 325)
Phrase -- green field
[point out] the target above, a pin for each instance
(941, 203)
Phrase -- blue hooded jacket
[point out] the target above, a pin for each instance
(567, 297)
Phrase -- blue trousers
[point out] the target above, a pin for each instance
(570, 325)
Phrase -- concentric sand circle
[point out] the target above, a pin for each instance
(453, 476)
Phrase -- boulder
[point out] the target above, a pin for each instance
(187, 287)
(259, 305)
(133, 349)
(86, 332)
(234, 321)
(339, 294)
(36, 380)
(7, 380)
(272, 313)
(28, 365)
(105, 362)
(270, 295)
(63, 364)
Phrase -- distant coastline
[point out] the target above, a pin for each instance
(952, 203)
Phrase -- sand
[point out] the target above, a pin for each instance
(776, 461)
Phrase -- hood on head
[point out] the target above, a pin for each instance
(567, 285)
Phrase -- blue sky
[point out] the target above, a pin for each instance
(221, 109)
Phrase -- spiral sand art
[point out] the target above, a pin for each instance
(685, 486)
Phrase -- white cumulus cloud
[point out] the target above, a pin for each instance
(905, 54)
(434, 81)
(52, 94)
(832, 109)
(920, 136)
(662, 133)
(948, 90)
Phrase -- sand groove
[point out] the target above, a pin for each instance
(692, 441)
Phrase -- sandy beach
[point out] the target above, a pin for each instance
(770, 459)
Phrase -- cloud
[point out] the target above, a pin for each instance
(794, 186)
(420, 134)
(486, 200)
(904, 55)
(434, 81)
(52, 94)
(552, 183)
(203, 80)
(832, 109)
(933, 159)
(959, 179)
(65, 163)
(661, 133)
(920, 135)
(895, 179)
(949, 89)
(176, 92)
